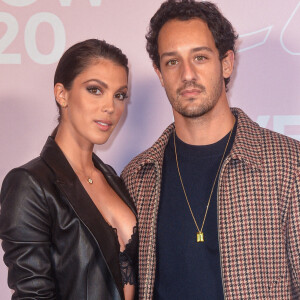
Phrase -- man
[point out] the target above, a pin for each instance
(218, 197)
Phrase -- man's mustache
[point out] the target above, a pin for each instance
(190, 84)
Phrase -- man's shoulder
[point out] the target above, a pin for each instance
(252, 132)
(276, 137)
(136, 162)
(279, 143)
(259, 145)
(152, 155)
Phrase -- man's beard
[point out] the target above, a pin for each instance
(208, 102)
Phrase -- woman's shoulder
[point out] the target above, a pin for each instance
(22, 199)
(36, 168)
(31, 178)
(24, 209)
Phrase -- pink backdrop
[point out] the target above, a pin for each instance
(34, 33)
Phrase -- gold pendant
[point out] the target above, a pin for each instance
(200, 237)
(90, 180)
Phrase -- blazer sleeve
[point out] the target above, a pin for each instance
(25, 230)
(293, 230)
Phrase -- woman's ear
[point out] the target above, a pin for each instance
(61, 95)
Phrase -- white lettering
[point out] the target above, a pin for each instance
(69, 2)
(7, 39)
(284, 29)
(59, 38)
(19, 3)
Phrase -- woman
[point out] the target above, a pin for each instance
(67, 222)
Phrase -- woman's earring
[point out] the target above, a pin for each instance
(64, 104)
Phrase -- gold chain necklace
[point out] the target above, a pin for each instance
(200, 235)
(87, 178)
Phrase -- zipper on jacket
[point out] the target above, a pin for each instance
(218, 208)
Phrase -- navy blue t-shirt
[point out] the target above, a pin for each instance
(186, 269)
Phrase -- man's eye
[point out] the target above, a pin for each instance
(200, 58)
(121, 96)
(172, 62)
(94, 90)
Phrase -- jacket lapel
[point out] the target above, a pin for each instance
(247, 143)
(115, 182)
(84, 207)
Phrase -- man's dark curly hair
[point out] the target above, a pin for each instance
(221, 29)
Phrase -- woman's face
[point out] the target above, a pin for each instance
(95, 102)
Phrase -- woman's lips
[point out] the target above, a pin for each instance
(103, 125)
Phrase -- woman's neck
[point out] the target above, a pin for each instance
(78, 152)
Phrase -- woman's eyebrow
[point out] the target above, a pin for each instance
(105, 85)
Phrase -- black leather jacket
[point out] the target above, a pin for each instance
(55, 240)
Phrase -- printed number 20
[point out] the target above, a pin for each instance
(30, 38)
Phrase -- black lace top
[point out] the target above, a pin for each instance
(129, 259)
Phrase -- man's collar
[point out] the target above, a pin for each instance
(248, 139)
(246, 146)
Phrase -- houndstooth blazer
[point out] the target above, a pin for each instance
(258, 213)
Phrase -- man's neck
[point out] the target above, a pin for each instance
(207, 129)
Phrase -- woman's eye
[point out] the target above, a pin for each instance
(94, 90)
(172, 62)
(121, 96)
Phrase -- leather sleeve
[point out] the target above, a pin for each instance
(25, 230)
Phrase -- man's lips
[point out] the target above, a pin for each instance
(103, 125)
(190, 92)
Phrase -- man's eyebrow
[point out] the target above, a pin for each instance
(173, 53)
(99, 82)
(168, 54)
(202, 49)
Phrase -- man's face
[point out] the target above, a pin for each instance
(190, 69)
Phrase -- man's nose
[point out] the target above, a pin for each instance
(188, 71)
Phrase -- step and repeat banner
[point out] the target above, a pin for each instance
(35, 33)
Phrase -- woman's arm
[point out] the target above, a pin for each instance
(25, 230)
